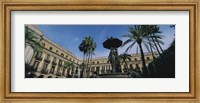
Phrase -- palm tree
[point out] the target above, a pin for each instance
(124, 58)
(87, 46)
(65, 66)
(151, 30)
(90, 49)
(33, 40)
(69, 66)
(33, 43)
(33, 46)
(155, 29)
(173, 43)
(83, 48)
(138, 34)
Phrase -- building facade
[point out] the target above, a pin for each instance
(51, 60)
(101, 65)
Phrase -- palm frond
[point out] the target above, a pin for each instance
(126, 42)
(160, 42)
(146, 46)
(130, 46)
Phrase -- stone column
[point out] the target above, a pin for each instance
(29, 52)
(95, 69)
(70, 72)
(122, 68)
(105, 69)
(50, 64)
(65, 74)
(128, 65)
(56, 67)
(40, 66)
(110, 68)
(79, 72)
(140, 65)
(61, 68)
(100, 68)
(90, 72)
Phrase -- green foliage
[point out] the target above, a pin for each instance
(146, 35)
(124, 58)
(33, 40)
(140, 34)
(68, 65)
(87, 45)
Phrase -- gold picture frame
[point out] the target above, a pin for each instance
(123, 5)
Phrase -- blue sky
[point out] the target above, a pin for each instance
(70, 36)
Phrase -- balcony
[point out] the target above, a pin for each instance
(44, 71)
(38, 58)
(54, 62)
(47, 60)
(60, 64)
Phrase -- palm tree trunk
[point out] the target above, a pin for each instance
(88, 58)
(156, 45)
(143, 60)
(83, 71)
(152, 55)
(90, 61)
(84, 66)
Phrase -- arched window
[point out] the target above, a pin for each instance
(50, 48)
(135, 59)
(48, 57)
(62, 54)
(131, 66)
(39, 55)
(54, 61)
(60, 63)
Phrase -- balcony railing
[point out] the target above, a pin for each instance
(45, 71)
(60, 64)
(39, 58)
(54, 62)
(47, 60)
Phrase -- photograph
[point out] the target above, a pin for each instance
(99, 51)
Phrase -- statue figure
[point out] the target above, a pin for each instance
(114, 60)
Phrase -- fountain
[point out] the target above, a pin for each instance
(112, 44)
